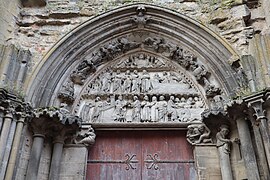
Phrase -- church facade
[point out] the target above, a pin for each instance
(140, 91)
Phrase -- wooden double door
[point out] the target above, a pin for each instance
(141, 155)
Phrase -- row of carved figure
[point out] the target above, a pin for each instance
(133, 82)
(156, 110)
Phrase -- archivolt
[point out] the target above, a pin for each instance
(127, 25)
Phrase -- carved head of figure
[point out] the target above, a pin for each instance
(135, 98)
(154, 98)
(144, 71)
(201, 128)
(224, 129)
(120, 97)
(97, 99)
(161, 98)
(172, 98)
(128, 72)
(145, 98)
(135, 72)
(177, 100)
(183, 99)
(118, 71)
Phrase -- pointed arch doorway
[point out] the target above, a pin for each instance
(139, 75)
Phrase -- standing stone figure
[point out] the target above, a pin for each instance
(223, 145)
(127, 82)
(120, 110)
(162, 109)
(172, 113)
(146, 83)
(135, 82)
(106, 82)
(146, 109)
(97, 110)
(136, 111)
(117, 82)
(154, 110)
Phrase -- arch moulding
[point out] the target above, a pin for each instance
(171, 57)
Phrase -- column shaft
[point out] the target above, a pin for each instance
(247, 149)
(1, 120)
(266, 138)
(33, 165)
(4, 135)
(56, 161)
(260, 149)
(14, 150)
(7, 150)
(225, 165)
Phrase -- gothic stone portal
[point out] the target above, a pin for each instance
(141, 155)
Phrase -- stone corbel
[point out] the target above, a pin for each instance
(86, 138)
(198, 134)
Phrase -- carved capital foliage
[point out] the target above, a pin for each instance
(55, 123)
(11, 104)
(255, 103)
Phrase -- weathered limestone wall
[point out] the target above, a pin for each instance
(9, 11)
(40, 28)
(74, 160)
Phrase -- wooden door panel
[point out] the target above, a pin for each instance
(165, 159)
(141, 155)
(116, 156)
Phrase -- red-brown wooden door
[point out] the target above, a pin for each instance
(140, 155)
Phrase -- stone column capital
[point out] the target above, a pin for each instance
(255, 103)
(55, 123)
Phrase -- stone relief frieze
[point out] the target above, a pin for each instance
(127, 81)
(142, 108)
